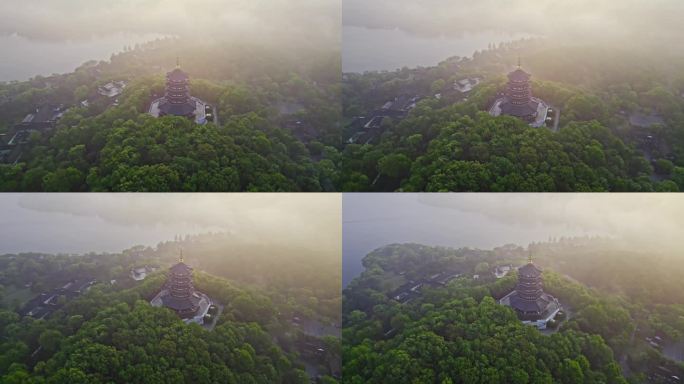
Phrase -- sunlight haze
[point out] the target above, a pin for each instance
(77, 223)
(564, 19)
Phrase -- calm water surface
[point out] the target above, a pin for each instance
(23, 58)
(366, 49)
(374, 220)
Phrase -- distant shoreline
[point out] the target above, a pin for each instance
(367, 49)
(27, 58)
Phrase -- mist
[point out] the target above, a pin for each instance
(635, 221)
(44, 37)
(237, 20)
(80, 223)
(575, 21)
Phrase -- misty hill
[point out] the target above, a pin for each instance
(307, 280)
(413, 298)
(273, 327)
(309, 277)
(616, 130)
(276, 126)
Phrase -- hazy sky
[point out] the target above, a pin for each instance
(365, 49)
(78, 223)
(654, 221)
(241, 20)
(571, 19)
(42, 37)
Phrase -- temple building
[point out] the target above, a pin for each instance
(177, 100)
(44, 118)
(518, 102)
(179, 294)
(532, 305)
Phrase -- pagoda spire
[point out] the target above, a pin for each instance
(178, 62)
(519, 61)
(181, 255)
(529, 257)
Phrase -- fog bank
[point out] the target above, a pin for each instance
(78, 223)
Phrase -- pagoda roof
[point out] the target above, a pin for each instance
(529, 269)
(523, 305)
(180, 303)
(177, 75)
(181, 268)
(185, 109)
(519, 75)
(518, 110)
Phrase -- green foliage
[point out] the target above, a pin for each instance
(118, 147)
(459, 333)
(594, 148)
(115, 337)
(501, 154)
(395, 166)
(112, 334)
(668, 319)
(664, 167)
(464, 341)
(169, 154)
(50, 339)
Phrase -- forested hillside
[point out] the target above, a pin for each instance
(618, 126)
(602, 337)
(271, 328)
(276, 130)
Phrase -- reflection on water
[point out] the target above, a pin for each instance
(365, 49)
(371, 221)
(23, 58)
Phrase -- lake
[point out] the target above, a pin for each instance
(366, 49)
(23, 58)
(363, 49)
(371, 221)
(34, 222)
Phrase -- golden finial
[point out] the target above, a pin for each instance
(181, 255)
(529, 257)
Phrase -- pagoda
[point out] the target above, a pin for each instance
(530, 302)
(179, 294)
(177, 100)
(517, 100)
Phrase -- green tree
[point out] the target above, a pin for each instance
(50, 339)
(395, 166)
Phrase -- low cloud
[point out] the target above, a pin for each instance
(103, 222)
(651, 220)
(238, 20)
(625, 21)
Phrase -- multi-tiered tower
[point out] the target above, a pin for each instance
(181, 295)
(519, 101)
(177, 100)
(529, 299)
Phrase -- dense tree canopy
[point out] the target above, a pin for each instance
(448, 143)
(170, 154)
(125, 340)
(268, 111)
(464, 341)
(111, 334)
(459, 334)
